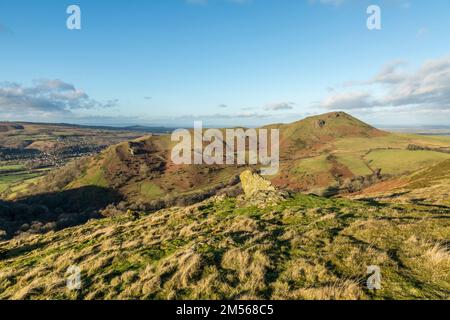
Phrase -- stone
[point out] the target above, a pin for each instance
(252, 183)
(258, 191)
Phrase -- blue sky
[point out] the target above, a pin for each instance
(226, 62)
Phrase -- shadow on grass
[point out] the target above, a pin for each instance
(373, 202)
(54, 211)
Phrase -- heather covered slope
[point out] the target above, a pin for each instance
(304, 247)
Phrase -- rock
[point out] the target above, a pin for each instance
(321, 123)
(252, 183)
(136, 148)
(258, 191)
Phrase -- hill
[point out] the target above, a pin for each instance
(140, 227)
(323, 154)
(299, 247)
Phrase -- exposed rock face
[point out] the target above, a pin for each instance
(253, 183)
(321, 123)
(258, 191)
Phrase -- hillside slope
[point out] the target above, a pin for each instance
(305, 247)
(430, 185)
(316, 153)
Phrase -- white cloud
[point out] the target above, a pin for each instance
(348, 101)
(44, 98)
(428, 88)
(280, 106)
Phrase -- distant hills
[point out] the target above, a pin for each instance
(8, 126)
(348, 196)
(326, 154)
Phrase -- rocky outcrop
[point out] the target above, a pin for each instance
(252, 183)
(258, 191)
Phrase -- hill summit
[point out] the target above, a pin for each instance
(318, 154)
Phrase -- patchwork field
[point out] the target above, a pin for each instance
(17, 177)
(389, 153)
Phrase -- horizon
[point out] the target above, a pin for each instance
(214, 153)
(225, 62)
(393, 127)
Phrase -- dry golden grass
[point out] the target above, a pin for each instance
(304, 248)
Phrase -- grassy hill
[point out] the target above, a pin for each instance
(316, 154)
(305, 247)
(164, 234)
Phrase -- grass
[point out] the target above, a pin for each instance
(402, 161)
(11, 167)
(393, 140)
(354, 162)
(306, 247)
(13, 179)
(313, 165)
(93, 177)
(150, 189)
(362, 155)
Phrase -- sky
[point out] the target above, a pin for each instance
(225, 62)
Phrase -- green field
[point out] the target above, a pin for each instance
(402, 161)
(313, 165)
(354, 162)
(93, 177)
(9, 180)
(399, 141)
(11, 167)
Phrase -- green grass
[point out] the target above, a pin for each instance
(365, 144)
(11, 167)
(93, 177)
(150, 189)
(306, 247)
(9, 180)
(394, 140)
(354, 162)
(402, 161)
(313, 165)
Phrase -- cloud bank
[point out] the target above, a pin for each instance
(45, 97)
(427, 88)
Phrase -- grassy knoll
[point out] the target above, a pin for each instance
(149, 189)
